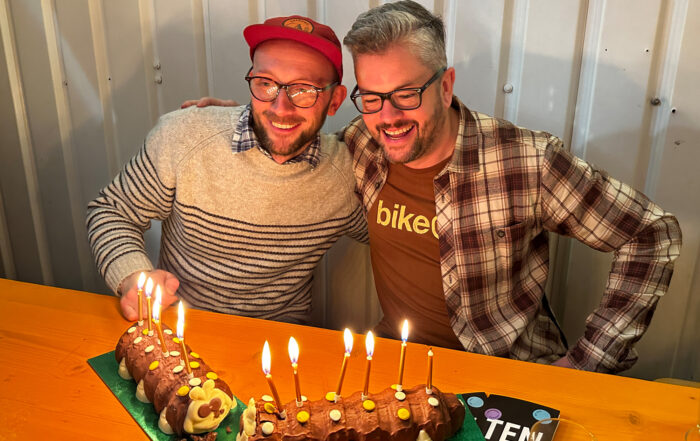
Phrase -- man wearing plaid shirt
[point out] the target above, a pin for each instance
(460, 205)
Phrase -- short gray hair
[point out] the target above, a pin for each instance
(405, 22)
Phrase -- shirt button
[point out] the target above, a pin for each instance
(501, 233)
(377, 184)
(450, 279)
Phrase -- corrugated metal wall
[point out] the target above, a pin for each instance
(82, 81)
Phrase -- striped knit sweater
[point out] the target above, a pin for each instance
(241, 232)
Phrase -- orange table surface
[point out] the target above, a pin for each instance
(48, 391)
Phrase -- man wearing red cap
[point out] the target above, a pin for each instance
(250, 197)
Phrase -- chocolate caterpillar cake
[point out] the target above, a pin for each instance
(388, 415)
(187, 404)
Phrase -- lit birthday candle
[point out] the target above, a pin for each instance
(266, 362)
(139, 294)
(429, 383)
(347, 337)
(402, 358)
(156, 320)
(181, 336)
(369, 346)
(149, 290)
(293, 348)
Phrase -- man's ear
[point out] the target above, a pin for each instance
(447, 86)
(337, 98)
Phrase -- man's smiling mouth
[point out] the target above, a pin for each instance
(283, 126)
(398, 133)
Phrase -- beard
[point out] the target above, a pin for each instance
(287, 147)
(422, 143)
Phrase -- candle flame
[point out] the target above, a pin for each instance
(156, 304)
(141, 281)
(180, 321)
(149, 287)
(293, 348)
(369, 344)
(266, 358)
(347, 336)
(404, 331)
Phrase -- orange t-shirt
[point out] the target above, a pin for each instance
(406, 257)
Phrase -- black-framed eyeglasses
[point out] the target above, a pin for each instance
(409, 98)
(300, 94)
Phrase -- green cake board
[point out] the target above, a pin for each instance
(106, 367)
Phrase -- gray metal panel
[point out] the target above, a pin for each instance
(549, 78)
(275, 8)
(176, 48)
(43, 124)
(477, 56)
(675, 330)
(20, 240)
(128, 70)
(229, 56)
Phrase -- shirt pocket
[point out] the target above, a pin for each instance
(511, 243)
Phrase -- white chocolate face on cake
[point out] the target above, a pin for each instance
(248, 421)
(123, 371)
(423, 436)
(209, 406)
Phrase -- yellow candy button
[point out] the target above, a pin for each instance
(194, 364)
(212, 376)
(330, 396)
(269, 408)
(154, 364)
(403, 413)
(194, 354)
(184, 390)
(368, 405)
(393, 386)
(303, 416)
(145, 332)
(176, 340)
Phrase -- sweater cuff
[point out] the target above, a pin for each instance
(124, 266)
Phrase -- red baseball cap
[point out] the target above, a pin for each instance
(301, 29)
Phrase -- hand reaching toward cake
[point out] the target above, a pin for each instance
(128, 288)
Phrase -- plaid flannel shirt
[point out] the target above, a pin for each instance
(504, 189)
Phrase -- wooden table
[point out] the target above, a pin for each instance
(48, 391)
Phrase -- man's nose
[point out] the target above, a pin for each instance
(282, 101)
(388, 112)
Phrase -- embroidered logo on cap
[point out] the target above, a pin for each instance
(298, 24)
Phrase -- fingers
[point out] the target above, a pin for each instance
(168, 285)
(171, 284)
(202, 102)
(207, 101)
(129, 299)
(128, 309)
